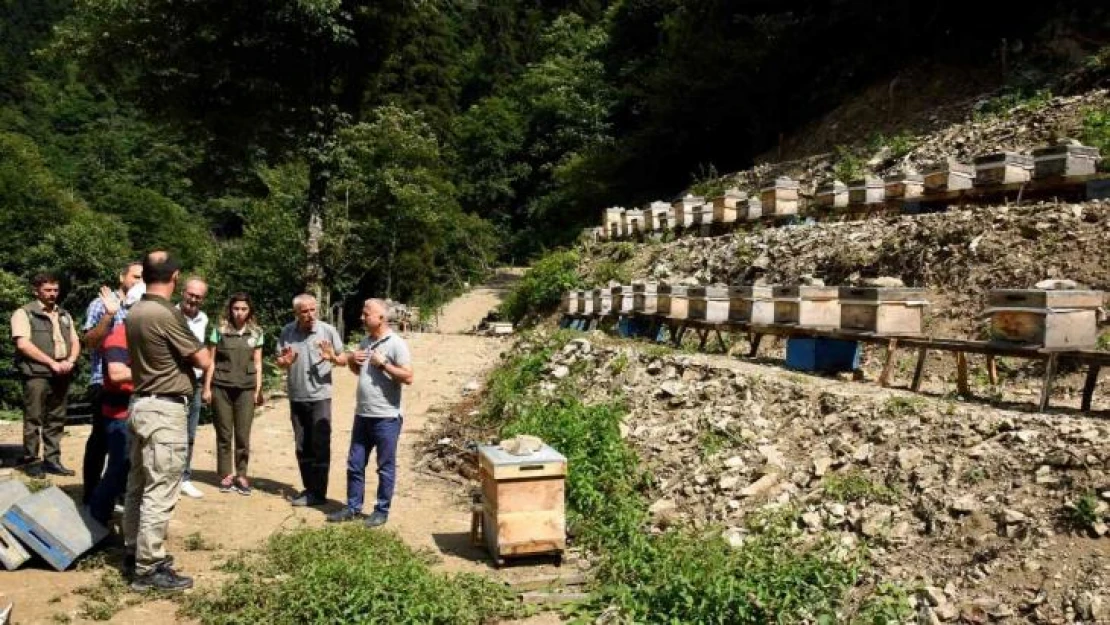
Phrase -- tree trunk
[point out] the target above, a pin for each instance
(317, 191)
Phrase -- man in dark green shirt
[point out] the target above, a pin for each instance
(163, 353)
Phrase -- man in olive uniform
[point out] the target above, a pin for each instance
(163, 353)
(47, 347)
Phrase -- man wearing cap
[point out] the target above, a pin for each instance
(163, 353)
(102, 315)
(47, 348)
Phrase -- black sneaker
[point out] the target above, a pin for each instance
(57, 468)
(163, 579)
(308, 500)
(34, 470)
(344, 515)
(129, 564)
(376, 519)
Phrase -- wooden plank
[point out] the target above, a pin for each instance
(524, 471)
(1046, 386)
(530, 532)
(992, 369)
(703, 335)
(962, 386)
(888, 366)
(721, 340)
(526, 495)
(919, 370)
(549, 581)
(551, 598)
(1089, 386)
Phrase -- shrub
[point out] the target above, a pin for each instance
(1096, 133)
(855, 486)
(542, 286)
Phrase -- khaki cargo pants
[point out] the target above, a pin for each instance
(159, 445)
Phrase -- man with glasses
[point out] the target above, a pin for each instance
(196, 289)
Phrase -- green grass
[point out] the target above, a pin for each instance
(1004, 104)
(107, 596)
(1096, 133)
(7, 414)
(196, 542)
(345, 574)
(890, 603)
(1084, 512)
(855, 486)
(898, 406)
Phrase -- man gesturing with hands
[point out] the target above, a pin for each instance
(307, 352)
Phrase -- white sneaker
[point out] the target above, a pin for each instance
(189, 490)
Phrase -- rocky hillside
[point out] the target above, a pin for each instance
(981, 514)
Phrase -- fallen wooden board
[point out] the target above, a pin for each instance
(548, 581)
(554, 598)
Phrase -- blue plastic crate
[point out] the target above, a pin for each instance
(51, 524)
(824, 355)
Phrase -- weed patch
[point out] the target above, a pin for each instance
(540, 289)
(106, 597)
(196, 542)
(344, 575)
(889, 603)
(855, 486)
(898, 406)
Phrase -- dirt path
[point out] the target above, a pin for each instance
(428, 512)
(464, 313)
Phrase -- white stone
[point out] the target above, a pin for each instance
(761, 485)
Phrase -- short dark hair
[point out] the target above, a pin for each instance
(44, 277)
(159, 267)
(123, 269)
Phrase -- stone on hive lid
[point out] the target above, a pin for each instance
(522, 445)
(885, 282)
(1057, 285)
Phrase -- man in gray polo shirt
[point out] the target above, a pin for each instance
(383, 365)
(307, 351)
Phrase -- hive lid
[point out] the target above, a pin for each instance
(881, 294)
(805, 292)
(902, 178)
(645, 287)
(1004, 158)
(495, 456)
(867, 182)
(831, 187)
(1054, 151)
(780, 183)
(951, 168)
(710, 292)
(751, 291)
(1040, 298)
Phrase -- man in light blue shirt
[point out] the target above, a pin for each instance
(383, 365)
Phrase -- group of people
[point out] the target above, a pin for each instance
(155, 363)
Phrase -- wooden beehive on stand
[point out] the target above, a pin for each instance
(866, 191)
(523, 509)
(944, 177)
(728, 207)
(1049, 319)
(702, 217)
(755, 208)
(780, 197)
(603, 301)
(585, 302)
(684, 210)
(612, 222)
(632, 222)
(884, 311)
(1003, 168)
(1064, 160)
(569, 303)
(831, 195)
(622, 299)
(807, 306)
(673, 301)
(751, 304)
(658, 217)
(708, 303)
(904, 186)
(645, 298)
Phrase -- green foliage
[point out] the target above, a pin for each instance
(541, 288)
(899, 406)
(104, 598)
(1083, 513)
(974, 475)
(849, 165)
(708, 183)
(1096, 133)
(855, 486)
(1103, 342)
(1004, 104)
(367, 576)
(196, 542)
(890, 603)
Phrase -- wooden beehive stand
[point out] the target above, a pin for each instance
(1051, 326)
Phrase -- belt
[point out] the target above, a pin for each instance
(177, 399)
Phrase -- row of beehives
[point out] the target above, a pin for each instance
(1055, 319)
(780, 197)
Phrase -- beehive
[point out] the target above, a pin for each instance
(780, 198)
(884, 311)
(603, 301)
(832, 195)
(611, 220)
(632, 222)
(755, 208)
(569, 303)
(865, 191)
(659, 217)
(709, 303)
(645, 298)
(1065, 160)
(586, 307)
(751, 304)
(684, 210)
(949, 177)
(904, 186)
(1050, 319)
(1003, 168)
(673, 301)
(523, 501)
(807, 306)
(728, 206)
(622, 299)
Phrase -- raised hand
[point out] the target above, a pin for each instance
(327, 350)
(361, 356)
(376, 359)
(287, 357)
(110, 300)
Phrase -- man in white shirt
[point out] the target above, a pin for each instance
(196, 289)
